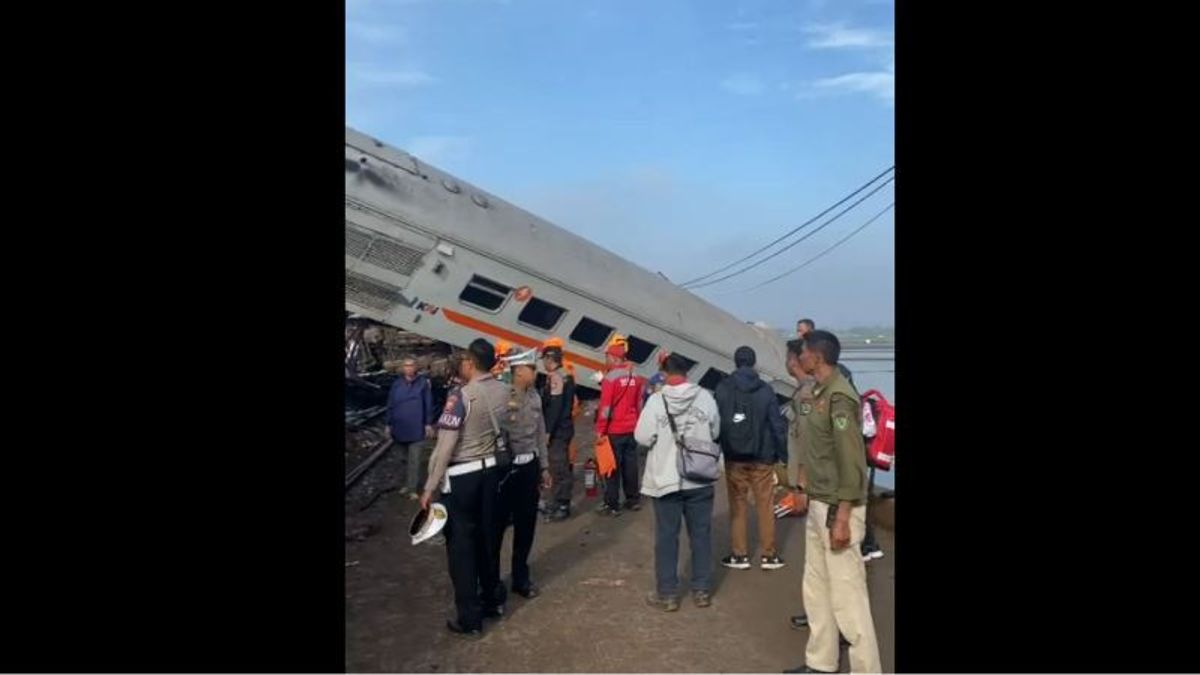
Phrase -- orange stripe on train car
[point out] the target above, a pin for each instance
(505, 334)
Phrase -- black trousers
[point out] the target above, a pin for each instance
(519, 496)
(473, 543)
(869, 537)
(625, 450)
(560, 467)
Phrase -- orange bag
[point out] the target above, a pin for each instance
(576, 409)
(788, 506)
(606, 461)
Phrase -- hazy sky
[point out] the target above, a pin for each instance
(680, 135)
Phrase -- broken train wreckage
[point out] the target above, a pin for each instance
(433, 261)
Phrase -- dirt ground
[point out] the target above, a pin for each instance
(594, 573)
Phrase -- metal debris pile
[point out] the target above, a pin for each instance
(373, 348)
(357, 419)
(374, 358)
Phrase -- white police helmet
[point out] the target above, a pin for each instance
(527, 358)
(427, 523)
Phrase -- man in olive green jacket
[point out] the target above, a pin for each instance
(834, 478)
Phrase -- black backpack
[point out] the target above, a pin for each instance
(846, 374)
(740, 430)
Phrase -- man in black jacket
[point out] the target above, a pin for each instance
(753, 440)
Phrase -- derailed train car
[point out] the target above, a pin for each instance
(434, 255)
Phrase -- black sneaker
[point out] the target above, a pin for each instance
(771, 562)
(633, 505)
(529, 592)
(496, 612)
(800, 622)
(560, 514)
(702, 598)
(606, 510)
(875, 553)
(871, 551)
(737, 562)
(455, 627)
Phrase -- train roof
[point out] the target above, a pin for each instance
(500, 229)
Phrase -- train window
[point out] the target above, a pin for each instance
(541, 314)
(591, 333)
(640, 350)
(712, 378)
(690, 363)
(485, 293)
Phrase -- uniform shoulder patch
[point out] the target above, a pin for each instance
(453, 412)
(843, 412)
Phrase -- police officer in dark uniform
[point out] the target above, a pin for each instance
(463, 469)
(531, 467)
(558, 396)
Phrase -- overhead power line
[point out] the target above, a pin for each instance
(839, 242)
(789, 246)
(792, 231)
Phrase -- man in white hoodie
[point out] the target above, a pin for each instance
(695, 414)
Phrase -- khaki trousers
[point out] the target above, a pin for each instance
(742, 479)
(835, 595)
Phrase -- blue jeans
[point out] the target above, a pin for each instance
(695, 507)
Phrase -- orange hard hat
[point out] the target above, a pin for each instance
(503, 347)
(618, 346)
(554, 342)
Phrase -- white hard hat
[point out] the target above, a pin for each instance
(527, 358)
(427, 523)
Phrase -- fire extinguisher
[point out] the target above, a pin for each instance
(589, 477)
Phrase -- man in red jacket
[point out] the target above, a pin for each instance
(620, 405)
